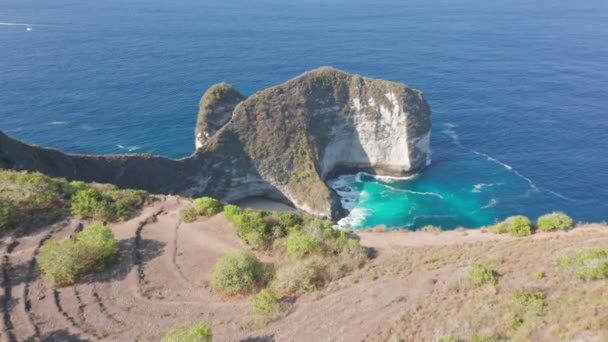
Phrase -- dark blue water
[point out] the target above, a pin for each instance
(523, 82)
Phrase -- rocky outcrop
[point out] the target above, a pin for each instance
(282, 142)
(215, 110)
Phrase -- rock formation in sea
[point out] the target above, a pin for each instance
(281, 143)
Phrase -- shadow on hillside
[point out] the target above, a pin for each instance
(60, 336)
(131, 254)
(266, 338)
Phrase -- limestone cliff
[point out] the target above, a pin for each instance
(282, 142)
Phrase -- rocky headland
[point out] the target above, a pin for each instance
(281, 143)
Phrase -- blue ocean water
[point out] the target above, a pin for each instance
(519, 89)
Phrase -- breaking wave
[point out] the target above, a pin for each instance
(128, 148)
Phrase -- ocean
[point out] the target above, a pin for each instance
(518, 89)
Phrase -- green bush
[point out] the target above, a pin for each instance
(251, 226)
(301, 276)
(530, 299)
(92, 249)
(103, 202)
(8, 215)
(431, 229)
(189, 214)
(232, 212)
(207, 206)
(520, 226)
(481, 274)
(301, 244)
(265, 306)
(539, 274)
(200, 332)
(237, 272)
(589, 265)
(86, 203)
(554, 221)
(514, 225)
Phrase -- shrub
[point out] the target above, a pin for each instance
(554, 221)
(30, 190)
(200, 332)
(431, 229)
(103, 202)
(8, 215)
(86, 203)
(530, 299)
(207, 206)
(301, 244)
(75, 186)
(265, 306)
(300, 276)
(539, 274)
(188, 214)
(232, 212)
(92, 249)
(519, 226)
(481, 274)
(237, 272)
(589, 265)
(514, 225)
(96, 247)
(251, 226)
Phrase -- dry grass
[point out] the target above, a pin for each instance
(455, 308)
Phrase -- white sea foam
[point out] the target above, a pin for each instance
(27, 25)
(355, 218)
(479, 187)
(386, 179)
(128, 148)
(57, 123)
(557, 194)
(509, 168)
(412, 191)
(491, 204)
(450, 132)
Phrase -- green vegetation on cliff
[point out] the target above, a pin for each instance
(36, 199)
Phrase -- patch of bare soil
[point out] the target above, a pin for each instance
(407, 292)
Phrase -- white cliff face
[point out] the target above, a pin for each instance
(375, 136)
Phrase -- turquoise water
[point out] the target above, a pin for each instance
(518, 88)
